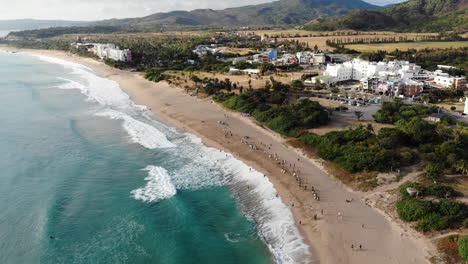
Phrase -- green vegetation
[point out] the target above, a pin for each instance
(392, 112)
(431, 216)
(270, 106)
(463, 248)
(436, 190)
(411, 140)
(410, 16)
(360, 149)
(155, 75)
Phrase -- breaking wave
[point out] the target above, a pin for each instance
(140, 132)
(159, 186)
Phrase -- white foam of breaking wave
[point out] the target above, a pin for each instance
(274, 219)
(159, 186)
(97, 88)
(140, 132)
(70, 84)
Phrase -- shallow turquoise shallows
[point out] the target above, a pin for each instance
(87, 176)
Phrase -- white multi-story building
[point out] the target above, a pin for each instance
(440, 79)
(110, 51)
(358, 69)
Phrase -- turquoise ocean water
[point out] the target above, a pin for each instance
(83, 164)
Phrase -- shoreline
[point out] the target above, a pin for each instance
(338, 224)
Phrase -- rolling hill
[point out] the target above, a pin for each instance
(276, 13)
(414, 15)
(282, 12)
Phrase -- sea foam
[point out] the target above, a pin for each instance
(108, 93)
(99, 89)
(159, 186)
(140, 132)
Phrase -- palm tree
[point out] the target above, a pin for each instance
(462, 166)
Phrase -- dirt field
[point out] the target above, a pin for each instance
(320, 41)
(241, 80)
(406, 46)
(241, 51)
(140, 34)
(319, 38)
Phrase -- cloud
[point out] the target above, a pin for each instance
(105, 9)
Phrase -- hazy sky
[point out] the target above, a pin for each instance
(103, 9)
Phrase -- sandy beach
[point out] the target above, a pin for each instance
(337, 231)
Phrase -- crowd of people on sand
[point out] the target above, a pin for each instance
(286, 167)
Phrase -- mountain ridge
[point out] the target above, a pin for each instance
(278, 13)
(275, 13)
(414, 15)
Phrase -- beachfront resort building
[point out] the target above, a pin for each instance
(110, 51)
(391, 78)
(106, 51)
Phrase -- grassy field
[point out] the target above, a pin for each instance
(406, 46)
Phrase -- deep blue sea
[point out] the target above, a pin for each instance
(88, 176)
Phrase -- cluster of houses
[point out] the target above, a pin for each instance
(303, 58)
(106, 51)
(391, 78)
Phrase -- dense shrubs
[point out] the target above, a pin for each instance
(155, 74)
(442, 147)
(392, 112)
(413, 210)
(440, 191)
(432, 215)
(437, 190)
(361, 150)
(271, 108)
(221, 97)
(432, 222)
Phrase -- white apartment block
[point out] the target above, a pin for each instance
(112, 52)
(444, 80)
(358, 70)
